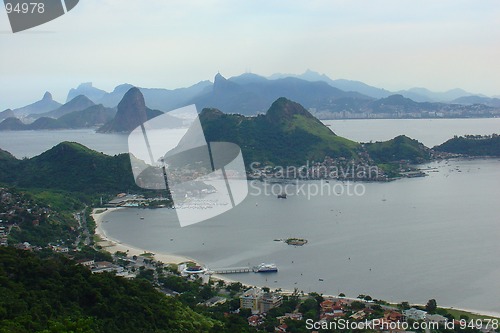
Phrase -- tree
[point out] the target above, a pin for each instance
(319, 298)
(311, 307)
(404, 305)
(431, 306)
(234, 287)
(245, 313)
(357, 305)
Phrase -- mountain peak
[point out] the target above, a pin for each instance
(85, 85)
(131, 113)
(47, 96)
(221, 84)
(285, 109)
(63, 150)
(87, 89)
(210, 113)
(12, 124)
(81, 98)
(397, 98)
(219, 77)
(268, 138)
(5, 155)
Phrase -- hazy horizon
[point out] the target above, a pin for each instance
(61, 97)
(389, 44)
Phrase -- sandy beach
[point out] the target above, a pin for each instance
(112, 245)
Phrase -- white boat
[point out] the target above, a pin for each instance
(265, 268)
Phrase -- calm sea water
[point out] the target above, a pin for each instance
(412, 239)
(430, 132)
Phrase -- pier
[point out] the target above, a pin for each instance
(231, 270)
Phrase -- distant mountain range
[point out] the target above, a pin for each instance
(342, 84)
(79, 103)
(156, 98)
(80, 112)
(251, 94)
(416, 94)
(88, 118)
(46, 104)
(470, 100)
(6, 114)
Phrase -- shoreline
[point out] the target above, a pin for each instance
(112, 245)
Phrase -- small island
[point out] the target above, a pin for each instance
(296, 241)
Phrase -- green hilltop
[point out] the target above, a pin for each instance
(69, 166)
(286, 135)
(399, 148)
(472, 145)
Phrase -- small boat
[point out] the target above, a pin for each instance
(142, 217)
(282, 196)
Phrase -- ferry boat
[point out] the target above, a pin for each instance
(265, 268)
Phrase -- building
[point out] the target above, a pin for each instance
(250, 299)
(106, 266)
(255, 320)
(414, 314)
(359, 315)
(216, 300)
(393, 316)
(86, 262)
(258, 301)
(435, 318)
(269, 301)
(327, 305)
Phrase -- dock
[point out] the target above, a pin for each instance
(231, 270)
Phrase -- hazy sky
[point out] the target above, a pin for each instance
(393, 44)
